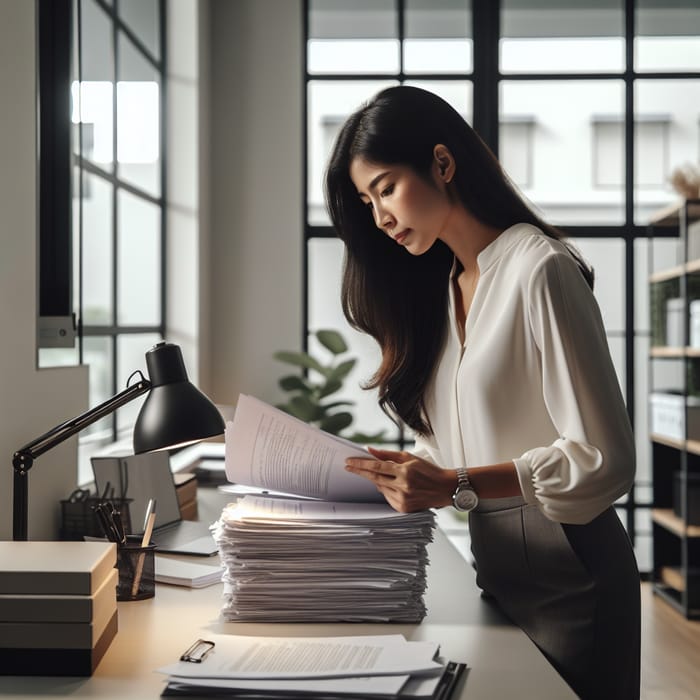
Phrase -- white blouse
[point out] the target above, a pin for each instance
(533, 383)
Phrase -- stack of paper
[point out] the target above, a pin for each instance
(288, 560)
(271, 667)
(58, 606)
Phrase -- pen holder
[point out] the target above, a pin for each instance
(137, 570)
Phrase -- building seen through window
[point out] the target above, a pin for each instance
(563, 85)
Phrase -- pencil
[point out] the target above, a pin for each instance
(147, 532)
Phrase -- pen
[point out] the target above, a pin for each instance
(105, 523)
(110, 521)
(150, 508)
(147, 531)
(119, 526)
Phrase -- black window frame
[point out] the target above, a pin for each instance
(486, 79)
(59, 24)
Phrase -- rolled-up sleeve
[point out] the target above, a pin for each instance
(592, 462)
(426, 448)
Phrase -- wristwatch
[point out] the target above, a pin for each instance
(464, 498)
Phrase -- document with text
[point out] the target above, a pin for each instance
(269, 449)
(269, 658)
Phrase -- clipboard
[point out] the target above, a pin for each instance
(196, 653)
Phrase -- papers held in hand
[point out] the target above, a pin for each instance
(270, 449)
(382, 665)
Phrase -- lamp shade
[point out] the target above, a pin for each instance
(175, 412)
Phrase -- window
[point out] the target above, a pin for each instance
(118, 223)
(354, 49)
(651, 134)
(516, 147)
(534, 83)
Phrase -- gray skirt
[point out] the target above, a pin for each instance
(573, 589)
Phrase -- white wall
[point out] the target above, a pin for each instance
(255, 193)
(31, 401)
(184, 289)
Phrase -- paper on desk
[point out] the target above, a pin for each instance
(358, 685)
(270, 449)
(251, 507)
(288, 560)
(278, 658)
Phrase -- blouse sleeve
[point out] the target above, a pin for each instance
(592, 462)
(426, 448)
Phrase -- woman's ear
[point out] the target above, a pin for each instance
(444, 163)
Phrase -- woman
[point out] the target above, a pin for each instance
(494, 353)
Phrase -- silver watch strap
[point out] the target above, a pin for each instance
(463, 478)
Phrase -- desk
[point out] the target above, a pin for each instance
(503, 662)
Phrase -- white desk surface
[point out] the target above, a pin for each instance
(503, 663)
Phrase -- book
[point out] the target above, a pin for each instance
(60, 608)
(58, 568)
(57, 662)
(189, 510)
(56, 635)
(186, 573)
(186, 489)
(269, 449)
(185, 485)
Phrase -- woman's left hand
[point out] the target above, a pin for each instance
(408, 483)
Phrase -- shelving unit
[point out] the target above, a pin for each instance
(674, 360)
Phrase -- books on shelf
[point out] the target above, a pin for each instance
(58, 606)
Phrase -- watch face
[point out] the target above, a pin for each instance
(465, 500)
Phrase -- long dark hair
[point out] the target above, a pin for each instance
(397, 298)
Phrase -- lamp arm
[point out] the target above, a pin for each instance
(65, 430)
(23, 458)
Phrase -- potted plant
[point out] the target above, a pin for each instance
(311, 391)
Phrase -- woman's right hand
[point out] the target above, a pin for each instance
(408, 483)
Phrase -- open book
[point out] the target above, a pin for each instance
(269, 449)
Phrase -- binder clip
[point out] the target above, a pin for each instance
(198, 651)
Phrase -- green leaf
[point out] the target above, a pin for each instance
(335, 423)
(332, 340)
(303, 408)
(342, 370)
(335, 404)
(294, 382)
(330, 387)
(299, 359)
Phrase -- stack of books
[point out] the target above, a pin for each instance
(58, 607)
(186, 489)
(292, 560)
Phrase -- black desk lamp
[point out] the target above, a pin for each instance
(175, 413)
